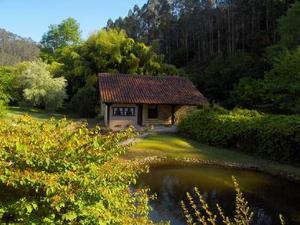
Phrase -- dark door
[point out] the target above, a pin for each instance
(152, 111)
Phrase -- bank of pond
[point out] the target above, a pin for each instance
(268, 196)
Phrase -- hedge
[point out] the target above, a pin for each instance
(275, 137)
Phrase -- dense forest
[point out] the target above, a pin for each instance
(191, 32)
(15, 49)
(227, 47)
(238, 53)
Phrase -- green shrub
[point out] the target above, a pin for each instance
(85, 101)
(2, 108)
(275, 137)
(9, 87)
(56, 172)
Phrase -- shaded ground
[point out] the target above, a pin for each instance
(172, 147)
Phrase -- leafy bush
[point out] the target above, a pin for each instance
(3, 100)
(2, 108)
(40, 88)
(4, 84)
(8, 84)
(276, 137)
(85, 101)
(56, 172)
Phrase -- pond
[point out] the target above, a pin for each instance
(268, 196)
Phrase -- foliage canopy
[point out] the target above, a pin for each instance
(278, 91)
(107, 51)
(64, 34)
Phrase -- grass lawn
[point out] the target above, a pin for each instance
(171, 147)
(15, 112)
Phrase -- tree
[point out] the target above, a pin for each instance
(282, 83)
(40, 88)
(113, 50)
(222, 74)
(248, 93)
(278, 91)
(108, 51)
(289, 27)
(193, 32)
(66, 33)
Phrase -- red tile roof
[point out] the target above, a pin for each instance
(124, 88)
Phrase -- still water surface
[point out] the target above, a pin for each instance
(267, 195)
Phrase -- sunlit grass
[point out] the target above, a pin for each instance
(175, 146)
(165, 143)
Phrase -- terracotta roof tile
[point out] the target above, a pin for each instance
(124, 88)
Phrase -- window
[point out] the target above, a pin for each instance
(123, 111)
(152, 111)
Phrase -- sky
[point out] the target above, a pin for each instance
(31, 18)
